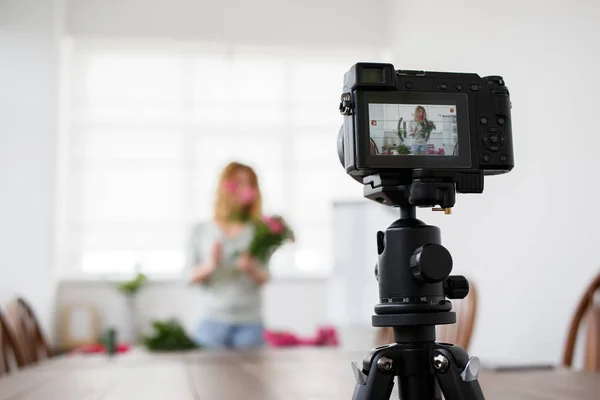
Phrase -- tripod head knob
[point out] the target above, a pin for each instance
(456, 287)
(431, 263)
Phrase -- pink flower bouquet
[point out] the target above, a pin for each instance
(439, 152)
(269, 234)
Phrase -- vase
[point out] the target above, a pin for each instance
(132, 317)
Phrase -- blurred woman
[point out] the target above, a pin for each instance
(419, 131)
(229, 279)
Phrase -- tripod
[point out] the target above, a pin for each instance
(413, 272)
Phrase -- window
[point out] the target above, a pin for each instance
(150, 126)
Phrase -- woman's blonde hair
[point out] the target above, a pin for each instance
(225, 202)
(422, 109)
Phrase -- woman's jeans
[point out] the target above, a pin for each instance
(216, 334)
(418, 148)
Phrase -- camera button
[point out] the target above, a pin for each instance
(380, 242)
(483, 120)
(443, 86)
(502, 140)
(491, 129)
(458, 86)
(409, 85)
(474, 87)
(501, 121)
(503, 157)
(486, 141)
(494, 147)
(485, 158)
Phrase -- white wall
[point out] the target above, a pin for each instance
(28, 127)
(162, 300)
(311, 23)
(530, 241)
(326, 22)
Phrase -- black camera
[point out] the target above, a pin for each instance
(414, 125)
(415, 139)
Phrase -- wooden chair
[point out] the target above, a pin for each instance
(29, 336)
(8, 347)
(37, 340)
(373, 149)
(459, 333)
(588, 309)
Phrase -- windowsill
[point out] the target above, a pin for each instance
(177, 278)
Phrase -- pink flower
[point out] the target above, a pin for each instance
(247, 196)
(276, 227)
(230, 186)
(274, 224)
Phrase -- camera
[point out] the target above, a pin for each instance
(415, 139)
(406, 125)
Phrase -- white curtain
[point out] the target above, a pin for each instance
(150, 124)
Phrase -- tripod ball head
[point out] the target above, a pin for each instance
(431, 263)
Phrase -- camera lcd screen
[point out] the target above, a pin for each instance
(417, 129)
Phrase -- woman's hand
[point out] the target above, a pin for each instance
(246, 263)
(203, 272)
(216, 254)
(251, 267)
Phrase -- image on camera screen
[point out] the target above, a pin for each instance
(413, 129)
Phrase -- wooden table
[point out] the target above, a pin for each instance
(308, 374)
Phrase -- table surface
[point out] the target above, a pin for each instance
(291, 374)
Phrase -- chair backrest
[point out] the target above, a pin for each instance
(36, 342)
(9, 350)
(373, 147)
(590, 311)
(16, 325)
(592, 342)
(28, 334)
(459, 333)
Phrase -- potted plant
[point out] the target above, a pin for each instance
(130, 289)
(169, 335)
(403, 149)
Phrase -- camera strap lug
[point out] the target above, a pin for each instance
(346, 104)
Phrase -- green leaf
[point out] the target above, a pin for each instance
(133, 286)
(169, 335)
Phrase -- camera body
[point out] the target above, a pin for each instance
(396, 122)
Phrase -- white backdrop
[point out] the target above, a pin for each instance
(28, 126)
(530, 241)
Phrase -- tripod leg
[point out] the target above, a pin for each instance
(456, 373)
(378, 381)
(409, 362)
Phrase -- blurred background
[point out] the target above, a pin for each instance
(116, 117)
